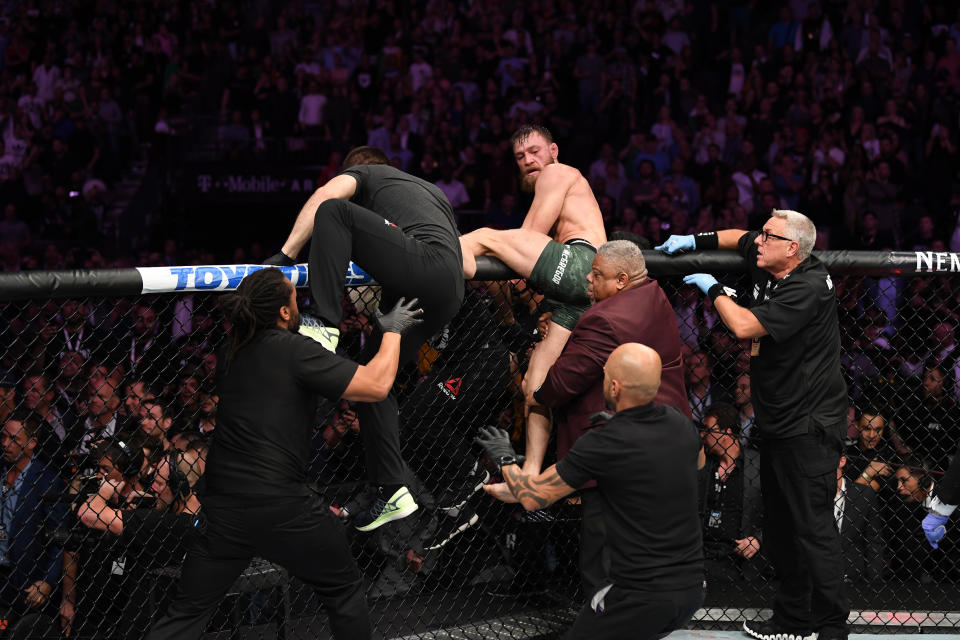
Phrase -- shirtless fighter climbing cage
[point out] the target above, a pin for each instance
(553, 249)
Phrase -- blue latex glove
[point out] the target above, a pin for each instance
(702, 280)
(675, 244)
(935, 527)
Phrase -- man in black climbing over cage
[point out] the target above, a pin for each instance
(400, 230)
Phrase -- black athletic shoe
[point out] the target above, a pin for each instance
(770, 630)
(451, 525)
(462, 490)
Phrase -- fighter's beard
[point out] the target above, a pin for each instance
(529, 181)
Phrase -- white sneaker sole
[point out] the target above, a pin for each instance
(399, 513)
(477, 487)
(777, 636)
(455, 532)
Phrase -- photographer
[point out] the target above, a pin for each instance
(142, 535)
(90, 566)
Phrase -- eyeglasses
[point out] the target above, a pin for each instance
(766, 235)
(705, 429)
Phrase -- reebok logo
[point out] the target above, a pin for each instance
(451, 388)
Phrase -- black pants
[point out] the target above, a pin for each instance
(798, 477)
(594, 555)
(406, 268)
(637, 615)
(298, 533)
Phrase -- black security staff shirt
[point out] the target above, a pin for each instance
(795, 371)
(948, 488)
(644, 460)
(265, 418)
(419, 208)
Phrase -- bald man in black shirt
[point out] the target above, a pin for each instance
(256, 501)
(644, 460)
(401, 230)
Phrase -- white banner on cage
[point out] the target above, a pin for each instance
(226, 277)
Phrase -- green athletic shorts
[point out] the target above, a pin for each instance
(561, 274)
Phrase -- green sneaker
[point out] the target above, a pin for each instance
(400, 505)
(328, 337)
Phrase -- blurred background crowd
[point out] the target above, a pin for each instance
(684, 115)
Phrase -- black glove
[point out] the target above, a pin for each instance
(404, 316)
(280, 259)
(496, 442)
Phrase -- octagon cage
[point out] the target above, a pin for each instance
(133, 353)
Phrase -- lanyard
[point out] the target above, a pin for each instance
(9, 493)
(768, 290)
(133, 351)
(75, 345)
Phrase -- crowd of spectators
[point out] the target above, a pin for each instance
(684, 116)
(901, 437)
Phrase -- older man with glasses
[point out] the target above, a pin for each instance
(800, 399)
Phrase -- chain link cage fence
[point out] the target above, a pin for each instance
(98, 391)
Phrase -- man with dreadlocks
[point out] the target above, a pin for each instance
(401, 230)
(256, 501)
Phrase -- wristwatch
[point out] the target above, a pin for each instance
(505, 460)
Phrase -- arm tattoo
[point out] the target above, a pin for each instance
(532, 488)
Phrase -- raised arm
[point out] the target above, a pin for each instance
(97, 513)
(728, 239)
(550, 192)
(373, 381)
(341, 187)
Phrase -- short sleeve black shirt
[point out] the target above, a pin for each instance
(948, 488)
(266, 414)
(721, 507)
(418, 207)
(644, 460)
(859, 459)
(796, 377)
